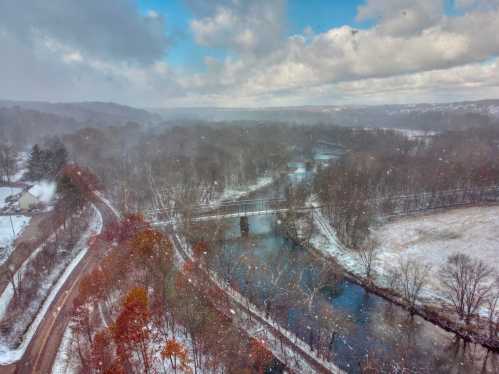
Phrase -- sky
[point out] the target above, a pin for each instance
(249, 53)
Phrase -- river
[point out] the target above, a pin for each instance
(364, 323)
(348, 323)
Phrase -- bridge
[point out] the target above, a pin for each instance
(387, 206)
(226, 209)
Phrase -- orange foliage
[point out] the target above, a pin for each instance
(151, 243)
(130, 331)
(175, 351)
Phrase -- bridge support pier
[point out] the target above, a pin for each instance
(244, 225)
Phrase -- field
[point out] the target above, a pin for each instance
(432, 238)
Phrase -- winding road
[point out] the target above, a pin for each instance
(42, 350)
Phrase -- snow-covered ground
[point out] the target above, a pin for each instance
(44, 191)
(22, 160)
(236, 193)
(429, 239)
(6, 192)
(6, 234)
(59, 276)
(432, 238)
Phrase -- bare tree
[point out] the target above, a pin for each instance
(316, 276)
(368, 253)
(467, 283)
(7, 162)
(493, 306)
(413, 277)
(15, 278)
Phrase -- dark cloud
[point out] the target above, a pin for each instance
(109, 29)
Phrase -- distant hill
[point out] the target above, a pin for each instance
(108, 114)
(414, 116)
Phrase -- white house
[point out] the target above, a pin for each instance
(28, 201)
(41, 193)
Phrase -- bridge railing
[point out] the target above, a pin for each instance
(398, 205)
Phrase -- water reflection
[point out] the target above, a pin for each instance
(342, 321)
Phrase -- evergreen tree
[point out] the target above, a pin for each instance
(46, 163)
(35, 164)
(57, 157)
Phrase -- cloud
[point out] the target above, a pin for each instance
(244, 26)
(345, 54)
(95, 50)
(110, 29)
(476, 4)
(82, 50)
(402, 17)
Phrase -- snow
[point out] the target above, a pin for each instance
(235, 193)
(8, 356)
(64, 361)
(43, 191)
(22, 160)
(429, 239)
(432, 238)
(327, 242)
(108, 204)
(6, 240)
(6, 192)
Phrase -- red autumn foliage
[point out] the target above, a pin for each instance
(131, 333)
(81, 177)
(151, 243)
(126, 229)
(260, 355)
(101, 351)
(200, 249)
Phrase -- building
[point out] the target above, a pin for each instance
(28, 201)
(40, 194)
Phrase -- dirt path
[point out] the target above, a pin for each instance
(42, 351)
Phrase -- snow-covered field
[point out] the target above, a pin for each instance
(235, 193)
(429, 239)
(19, 222)
(432, 238)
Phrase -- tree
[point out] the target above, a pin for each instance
(131, 331)
(467, 283)
(413, 277)
(36, 168)
(317, 276)
(7, 162)
(56, 156)
(368, 253)
(493, 304)
(153, 251)
(200, 249)
(177, 354)
(260, 355)
(101, 351)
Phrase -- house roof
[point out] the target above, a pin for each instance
(43, 191)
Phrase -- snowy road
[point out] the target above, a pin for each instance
(40, 353)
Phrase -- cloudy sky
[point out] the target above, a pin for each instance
(235, 53)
